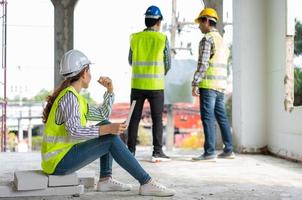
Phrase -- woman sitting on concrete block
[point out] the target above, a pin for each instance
(68, 144)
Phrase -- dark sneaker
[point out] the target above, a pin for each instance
(229, 155)
(160, 157)
(209, 158)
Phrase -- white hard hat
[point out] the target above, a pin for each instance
(72, 63)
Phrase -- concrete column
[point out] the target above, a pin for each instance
(170, 115)
(218, 6)
(29, 130)
(63, 22)
(20, 129)
(250, 75)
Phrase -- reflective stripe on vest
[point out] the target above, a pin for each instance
(212, 77)
(148, 60)
(59, 139)
(47, 156)
(56, 140)
(216, 74)
(147, 64)
(159, 76)
(218, 65)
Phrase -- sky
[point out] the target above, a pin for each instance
(101, 31)
(106, 37)
(30, 53)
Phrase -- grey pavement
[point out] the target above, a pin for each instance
(247, 177)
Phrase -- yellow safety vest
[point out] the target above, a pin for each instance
(216, 74)
(148, 69)
(56, 140)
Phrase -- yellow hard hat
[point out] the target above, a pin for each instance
(207, 12)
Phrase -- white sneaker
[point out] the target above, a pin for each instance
(154, 188)
(112, 185)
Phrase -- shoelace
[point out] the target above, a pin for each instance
(115, 182)
(158, 185)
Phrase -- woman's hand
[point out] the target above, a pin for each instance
(106, 82)
(114, 128)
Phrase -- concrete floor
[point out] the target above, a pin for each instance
(245, 178)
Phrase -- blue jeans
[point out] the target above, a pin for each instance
(104, 147)
(211, 107)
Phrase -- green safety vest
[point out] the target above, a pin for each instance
(56, 140)
(216, 74)
(148, 70)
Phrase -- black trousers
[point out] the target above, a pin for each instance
(156, 101)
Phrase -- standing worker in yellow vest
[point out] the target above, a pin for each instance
(209, 83)
(68, 144)
(149, 57)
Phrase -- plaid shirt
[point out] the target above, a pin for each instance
(206, 51)
(167, 55)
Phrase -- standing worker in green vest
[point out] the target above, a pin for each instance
(68, 144)
(150, 59)
(209, 83)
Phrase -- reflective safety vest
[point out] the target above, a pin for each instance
(216, 74)
(56, 140)
(148, 69)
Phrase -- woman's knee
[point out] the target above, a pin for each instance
(117, 139)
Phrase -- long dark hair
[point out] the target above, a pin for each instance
(64, 84)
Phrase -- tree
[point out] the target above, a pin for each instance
(298, 71)
(230, 60)
(298, 38)
(89, 99)
(298, 87)
(41, 95)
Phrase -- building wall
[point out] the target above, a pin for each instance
(259, 60)
(249, 75)
(284, 128)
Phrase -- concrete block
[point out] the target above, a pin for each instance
(87, 179)
(30, 180)
(63, 180)
(9, 191)
(88, 182)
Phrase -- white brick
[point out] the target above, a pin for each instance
(8, 191)
(63, 180)
(87, 179)
(88, 182)
(30, 180)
